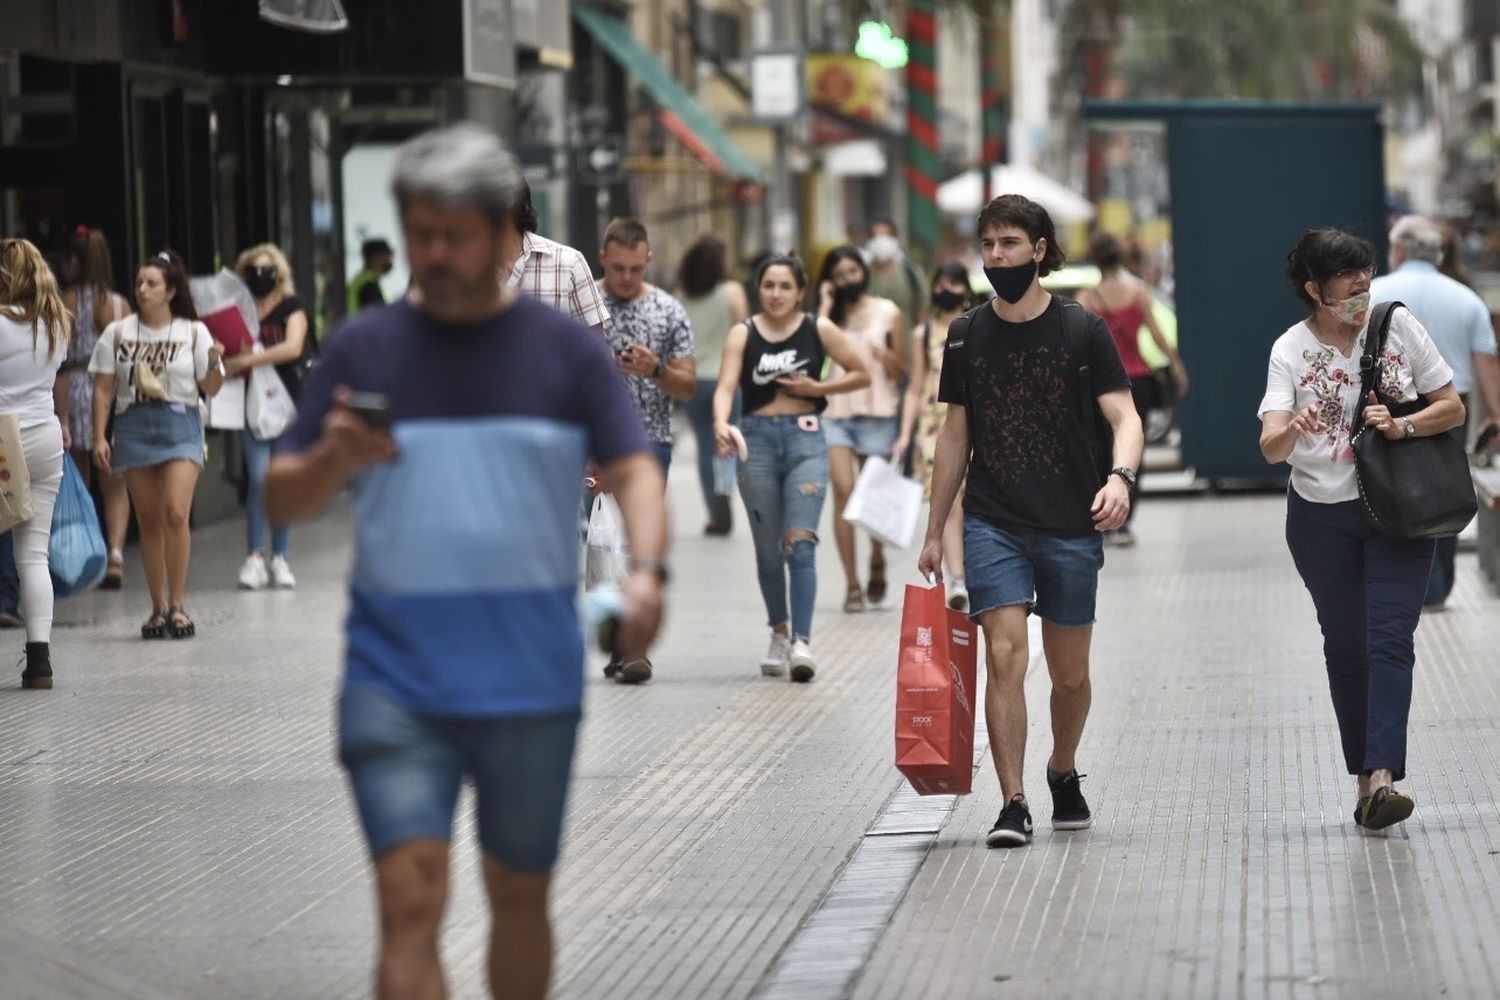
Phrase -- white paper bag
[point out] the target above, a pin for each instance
(885, 503)
(269, 409)
(226, 409)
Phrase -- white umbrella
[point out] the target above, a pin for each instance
(964, 194)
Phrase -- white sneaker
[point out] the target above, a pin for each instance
(773, 664)
(802, 663)
(281, 574)
(254, 575)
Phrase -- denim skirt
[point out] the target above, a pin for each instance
(154, 433)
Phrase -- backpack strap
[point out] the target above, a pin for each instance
(1075, 320)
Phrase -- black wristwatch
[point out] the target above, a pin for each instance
(1126, 474)
(661, 368)
(655, 567)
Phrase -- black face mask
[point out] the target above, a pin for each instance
(946, 299)
(849, 294)
(262, 281)
(1012, 283)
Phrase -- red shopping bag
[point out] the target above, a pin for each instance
(935, 694)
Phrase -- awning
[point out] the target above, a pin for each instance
(679, 111)
(964, 194)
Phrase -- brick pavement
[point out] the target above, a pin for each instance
(174, 824)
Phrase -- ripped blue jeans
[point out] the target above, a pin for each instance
(783, 485)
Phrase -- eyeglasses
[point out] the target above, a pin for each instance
(1355, 272)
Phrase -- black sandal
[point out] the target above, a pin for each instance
(1387, 808)
(156, 625)
(179, 624)
(875, 592)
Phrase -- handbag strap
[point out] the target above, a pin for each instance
(1369, 360)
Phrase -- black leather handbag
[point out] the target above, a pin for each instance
(1414, 487)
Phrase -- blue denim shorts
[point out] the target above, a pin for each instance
(405, 770)
(862, 435)
(1058, 578)
(149, 434)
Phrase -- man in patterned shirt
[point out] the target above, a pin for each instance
(652, 340)
(549, 272)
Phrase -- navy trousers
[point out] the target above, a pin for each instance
(1368, 589)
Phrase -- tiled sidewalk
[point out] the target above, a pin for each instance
(174, 824)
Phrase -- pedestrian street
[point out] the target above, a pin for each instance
(175, 824)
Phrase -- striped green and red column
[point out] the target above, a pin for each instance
(995, 101)
(923, 160)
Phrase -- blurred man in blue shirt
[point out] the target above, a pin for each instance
(1460, 326)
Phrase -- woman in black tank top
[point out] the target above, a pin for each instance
(776, 359)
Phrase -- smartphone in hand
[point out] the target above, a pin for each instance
(374, 408)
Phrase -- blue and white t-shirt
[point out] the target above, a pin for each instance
(464, 588)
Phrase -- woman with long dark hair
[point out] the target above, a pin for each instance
(922, 415)
(34, 328)
(1367, 586)
(775, 361)
(151, 369)
(713, 304)
(88, 274)
(864, 422)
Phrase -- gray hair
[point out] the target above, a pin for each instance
(1420, 237)
(458, 166)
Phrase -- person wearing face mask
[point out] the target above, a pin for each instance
(862, 423)
(1018, 377)
(922, 413)
(892, 274)
(289, 345)
(1367, 586)
(774, 361)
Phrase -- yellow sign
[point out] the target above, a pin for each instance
(849, 85)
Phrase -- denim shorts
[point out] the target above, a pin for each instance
(862, 435)
(149, 434)
(1058, 578)
(405, 770)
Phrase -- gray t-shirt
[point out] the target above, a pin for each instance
(657, 320)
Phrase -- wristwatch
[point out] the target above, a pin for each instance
(1126, 474)
(655, 567)
(661, 368)
(1411, 428)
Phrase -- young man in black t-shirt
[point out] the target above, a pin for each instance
(1016, 376)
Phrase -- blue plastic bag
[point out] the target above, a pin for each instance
(76, 555)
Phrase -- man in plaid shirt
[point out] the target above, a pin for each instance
(550, 272)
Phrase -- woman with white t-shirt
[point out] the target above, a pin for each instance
(151, 369)
(34, 330)
(1367, 586)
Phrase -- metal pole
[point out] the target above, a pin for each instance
(785, 231)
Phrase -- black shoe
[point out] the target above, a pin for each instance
(1386, 807)
(633, 672)
(1013, 828)
(38, 672)
(613, 667)
(1069, 810)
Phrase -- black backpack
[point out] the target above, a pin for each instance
(1098, 435)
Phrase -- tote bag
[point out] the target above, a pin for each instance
(15, 477)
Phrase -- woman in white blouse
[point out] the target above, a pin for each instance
(34, 330)
(151, 369)
(1367, 586)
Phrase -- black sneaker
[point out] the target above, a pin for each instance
(1013, 828)
(1069, 810)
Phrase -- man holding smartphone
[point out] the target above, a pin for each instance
(465, 655)
(653, 344)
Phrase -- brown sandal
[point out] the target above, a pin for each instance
(854, 601)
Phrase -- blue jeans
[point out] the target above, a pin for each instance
(257, 463)
(783, 484)
(1056, 577)
(1368, 589)
(700, 414)
(663, 452)
(10, 577)
(405, 770)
